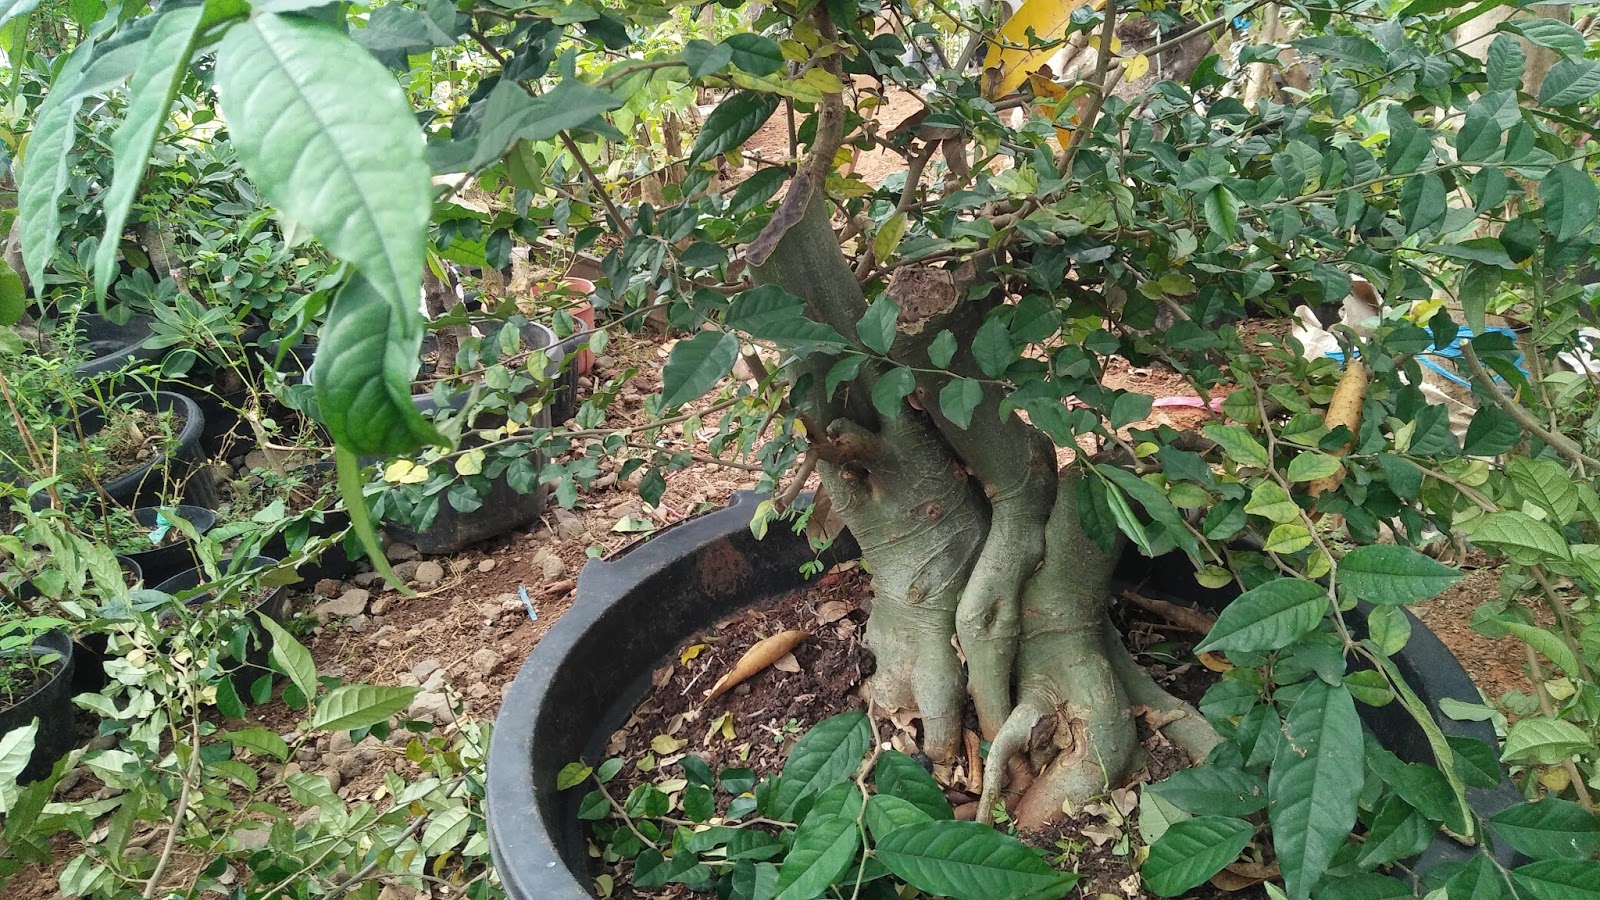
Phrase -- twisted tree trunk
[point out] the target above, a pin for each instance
(976, 550)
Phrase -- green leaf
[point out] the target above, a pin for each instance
(1408, 144)
(1570, 81)
(898, 775)
(1388, 629)
(291, 658)
(1311, 466)
(1154, 502)
(877, 326)
(1504, 66)
(1491, 431)
(13, 296)
(1547, 483)
(731, 124)
(958, 398)
(1422, 202)
(1192, 851)
(10, 9)
(1223, 791)
(943, 349)
(1273, 503)
(696, 365)
(992, 347)
(968, 861)
(755, 54)
(366, 358)
(1290, 537)
(446, 829)
(1398, 832)
(328, 136)
(1479, 879)
(1479, 763)
(572, 775)
(823, 848)
(150, 94)
(352, 706)
(1315, 780)
(1543, 740)
(826, 755)
(1387, 574)
(1240, 445)
(704, 58)
(844, 370)
(770, 313)
(756, 190)
(16, 749)
(1222, 212)
(228, 702)
(46, 166)
(1560, 880)
(885, 813)
(1519, 536)
(1558, 36)
(1552, 828)
(1365, 887)
(1570, 201)
(1269, 617)
(509, 114)
(891, 389)
(1549, 644)
(887, 240)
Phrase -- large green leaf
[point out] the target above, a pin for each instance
(1546, 483)
(1505, 63)
(958, 398)
(16, 749)
(10, 9)
(731, 123)
(877, 326)
(1552, 828)
(1269, 617)
(1520, 536)
(1560, 879)
(891, 388)
(968, 861)
(1154, 502)
(771, 313)
(509, 113)
(1543, 740)
(1570, 81)
(155, 83)
(823, 848)
(885, 813)
(1558, 36)
(825, 756)
(326, 133)
(696, 365)
(46, 170)
(1422, 202)
(365, 361)
(1387, 574)
(1218, 790)
(1192, 851)
(352, 706)
(291, 657)
(898, 775)
(1314, 783)
(1398, 832)
(1570, 201)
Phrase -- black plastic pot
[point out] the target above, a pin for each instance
(274, 604)
(334, 562)
(184, 463)
(114, 347)
(564, 367)
(583, 679)
(504, 508)
(51, 704)
(160, 563)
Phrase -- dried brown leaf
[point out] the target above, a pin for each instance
(765, 652)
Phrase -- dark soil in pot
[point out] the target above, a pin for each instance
(821, 678)
(251, 648)
(588, 673)
(153, 473)
(45, 694)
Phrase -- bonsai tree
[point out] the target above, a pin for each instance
(936, 345)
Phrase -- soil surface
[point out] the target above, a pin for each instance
(756, 724)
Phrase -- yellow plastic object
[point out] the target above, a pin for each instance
(1048, 19)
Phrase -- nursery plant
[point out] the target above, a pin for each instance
(939, 345)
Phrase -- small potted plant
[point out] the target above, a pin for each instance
(36, 716)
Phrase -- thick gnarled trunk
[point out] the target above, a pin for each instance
(976, 552)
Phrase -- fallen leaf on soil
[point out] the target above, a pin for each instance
(974, 760)
(666, 743)
(1213, 661)
(689, 653)
(765, 652)
(1101, 834)
(787, 663)
(832, 611)
(1241, 875)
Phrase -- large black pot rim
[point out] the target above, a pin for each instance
(535, 839)
(125, 344)
(184, 448)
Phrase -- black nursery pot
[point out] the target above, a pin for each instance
(504, 508)
(183, 463)
(160, 563)
(582, 680)
(51, 703)
(114, 347)
(274, 604)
